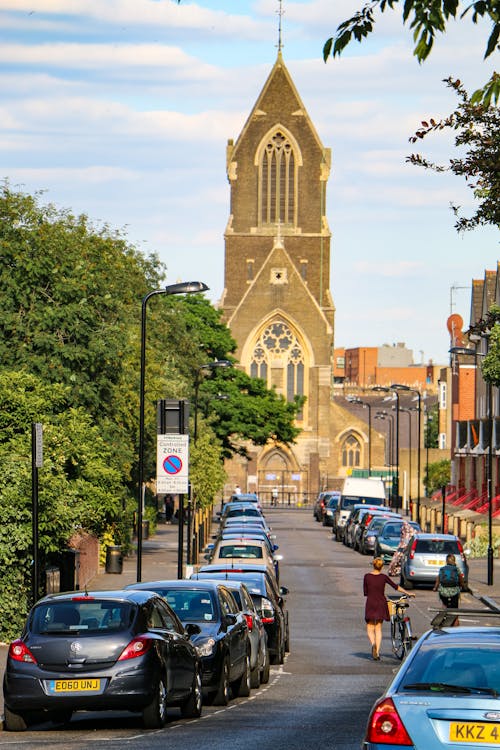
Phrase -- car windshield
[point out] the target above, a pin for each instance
(79, 616)
(348, 501)
(438, 667)
(190, 605)
(437, 546)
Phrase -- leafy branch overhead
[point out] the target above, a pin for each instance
(477, 127)
(426, 19)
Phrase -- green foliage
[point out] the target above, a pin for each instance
(431, 433)
(477, 125)
(438, 475)
(426, 17)
(206, 469)
(478, 546)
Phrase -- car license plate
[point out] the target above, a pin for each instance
(433, 562)
(475, 731)
(75, 686)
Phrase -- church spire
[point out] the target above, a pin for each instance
(280, 19)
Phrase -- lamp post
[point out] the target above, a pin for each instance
(400, 387)
(489, 467)
(390, 421)
(355, 400)
(409, 411)
(391, 389)
(188, 287)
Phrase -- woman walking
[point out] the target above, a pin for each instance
(407, 532)
(376, 609)
(449, 583)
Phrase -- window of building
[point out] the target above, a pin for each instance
(277, 181)
(278, 342)
(442, 395)
(250, 269)
(442, 440)
(351, 451)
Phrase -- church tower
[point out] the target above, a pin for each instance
(276, 297)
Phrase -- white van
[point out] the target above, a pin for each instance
(356, 491)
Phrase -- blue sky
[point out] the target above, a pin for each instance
(121, 109)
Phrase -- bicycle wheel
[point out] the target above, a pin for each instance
(397, 637)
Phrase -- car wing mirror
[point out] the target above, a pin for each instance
(276, 547)
(231, 619)
(284, 591)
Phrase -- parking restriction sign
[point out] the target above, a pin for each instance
(172, 464)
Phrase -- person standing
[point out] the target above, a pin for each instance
(237, 490)
(406, 534)
(376, 609)
(274, 496)
(449, 583)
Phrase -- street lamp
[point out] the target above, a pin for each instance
(187, 287)
(390, 420)
(391, 389)
(409, 411)
(400, 387)
(355, 400)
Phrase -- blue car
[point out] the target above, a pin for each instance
(445, 695)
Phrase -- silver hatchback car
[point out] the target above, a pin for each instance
(426, 554)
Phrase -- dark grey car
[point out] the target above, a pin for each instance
(119, 650)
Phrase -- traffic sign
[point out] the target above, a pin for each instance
(172, 464)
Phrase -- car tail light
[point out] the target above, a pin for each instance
(20, 652)
(413, 548)
(249, 620)
(82, 598)
(385, 725)
(137, 647)
(267, 611)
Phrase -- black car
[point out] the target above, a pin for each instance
(268, 598)
(118, 650)
(222, 641)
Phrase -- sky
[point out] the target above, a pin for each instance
(122, 109)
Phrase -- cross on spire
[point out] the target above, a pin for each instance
(280, 13)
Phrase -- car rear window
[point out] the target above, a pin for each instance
(437, 546)
(250, 551)
(190, 605)
(468, 665)
(81, 616)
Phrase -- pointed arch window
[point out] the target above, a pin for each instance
(277, 180)
(351, 451)
(278, 343)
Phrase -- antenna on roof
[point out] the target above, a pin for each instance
(280, 13)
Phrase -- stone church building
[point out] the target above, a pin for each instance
(277, 300)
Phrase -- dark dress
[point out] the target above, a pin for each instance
(376, 604)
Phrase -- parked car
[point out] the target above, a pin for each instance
(247, 522)
(239, 510)
(331, 503)
(101, 651)
(386, 537)
(246, 497)
(242, 549)
(259, 652)
(445, 695)
(356, 514)
(365, 520)
(426, 554)
(248, 532)
(268, 598)
(318, 506)
(222, 641)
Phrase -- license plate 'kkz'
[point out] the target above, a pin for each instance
(474, 731)
(59, 687)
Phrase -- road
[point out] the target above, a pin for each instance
(320, 697)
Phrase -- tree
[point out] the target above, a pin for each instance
(490, 325)
(426, 19)
(438, 475)
(478, 130)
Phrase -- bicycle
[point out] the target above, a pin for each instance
(401, 635)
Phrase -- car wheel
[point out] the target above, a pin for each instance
(14, 722)
(255, 673)
(154, 716)
(287, 640)
(266, 669)
(191, 708)
(223, 691)
(241, 686)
